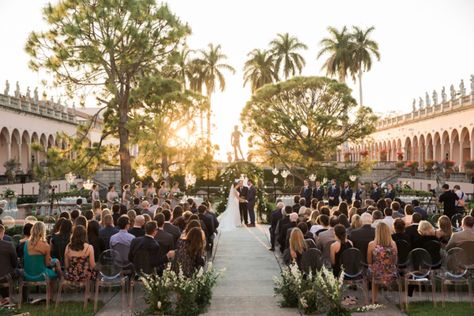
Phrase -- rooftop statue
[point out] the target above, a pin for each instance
(28, 93)
(427, 98)
(444, 97)
(472, 84)
(35, 95)
(414, 105)
(462, 89)
(435, 97)
(7, 88)
(420, 103)
(17, 90)
(453, 92)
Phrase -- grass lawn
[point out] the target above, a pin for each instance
(452, 308)
(64, 309)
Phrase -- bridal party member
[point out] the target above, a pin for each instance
(346, 194)
(318, 191)
(112, 195)
(251, 196)
(333, 194)
(139, 193)
(163, 192)
(306, 192)
(151, 192)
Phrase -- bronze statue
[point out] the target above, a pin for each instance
(235, 141)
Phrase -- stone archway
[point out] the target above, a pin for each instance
(5, 149)
(465, 148)
(25, 151)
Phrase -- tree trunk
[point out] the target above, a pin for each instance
(360, 87)
(209, 112)
(124, 150)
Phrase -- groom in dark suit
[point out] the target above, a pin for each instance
(251, 196)
(243, 191)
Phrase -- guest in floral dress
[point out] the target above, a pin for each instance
(190, 251)
(382, 258)
(79, 255)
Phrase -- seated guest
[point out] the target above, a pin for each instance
(445, 230)
(381, 205)
(355, 223)
(164, 239)
(145, 209)
(400, 234)
(178, 212)
(189, 254)
(342, 219)
(65, 214)
(21, 243)
(412, 230)
(322, 224)
(105, 212)
(89, 215)
(325, 239)
(8, 262)
(79, 203)
(276, 216)
(37, 256)
(137, 230)
(397, 211)
(286, 231)
(388, 219)
(96, 209)
(93, 237)
(75, 214)
(60, 240)
(123, 236)
(115, 213)
(362, 236)
(382, 258)
(297, 246)
(108, 231)
(132, 215)
(173, 230)
(147, 245)
(209, 213)
(137, 206)
(377, 217)
(285, 220)
(426, 233)
(408, 214)
(467, 233)
(304, 229)
(209, 225)
(418, 209)
(81, 220)
(154, 205)
(79, 257)
(338, 247)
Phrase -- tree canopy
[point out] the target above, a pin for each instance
(300, 122)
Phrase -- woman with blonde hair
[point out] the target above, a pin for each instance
(445, 229)
(104, 213)
(313, 217)
(356, 222)
(426, 232)
(382, 258)
(37, 256)
(297, 246)
(352, 212)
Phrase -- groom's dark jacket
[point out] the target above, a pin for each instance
(251, 195)
(243, 191)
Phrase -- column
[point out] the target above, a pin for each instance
(461, 154)
(450, 154)
(472, 147)
(9, 149)
(19, 153)
(443, 151)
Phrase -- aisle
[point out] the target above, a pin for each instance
(246, 287)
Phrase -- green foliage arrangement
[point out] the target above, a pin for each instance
(174, 294)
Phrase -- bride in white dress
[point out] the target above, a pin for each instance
(230, 218)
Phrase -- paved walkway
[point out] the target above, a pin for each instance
(246, 287)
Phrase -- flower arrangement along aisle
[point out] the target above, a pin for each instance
(174, 294)
(319, 293)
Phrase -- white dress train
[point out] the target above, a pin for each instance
(230, 218)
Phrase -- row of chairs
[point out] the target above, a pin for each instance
(415, 268)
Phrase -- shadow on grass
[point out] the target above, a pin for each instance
(452, 308)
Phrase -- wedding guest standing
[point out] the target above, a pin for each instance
(333, 194)
(112, 196)
(318, 191)
(346, 193)
(306, 192)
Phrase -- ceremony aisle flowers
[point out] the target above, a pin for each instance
(174, 294)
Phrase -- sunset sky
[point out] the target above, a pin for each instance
(424, 44)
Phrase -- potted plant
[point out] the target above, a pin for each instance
(429, 167)
(11, 169)
(469, 167)
(400, 156)
(412, 166)
(364, 153)
(400, 165)
(383, 154)
(448, 167)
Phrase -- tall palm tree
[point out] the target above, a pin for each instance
(180, 66)
(259, 69)
(196, 84)
(285, 51)
(340, 49)
(363, 50)
(211, 63)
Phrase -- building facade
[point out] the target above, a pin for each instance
(436, 129)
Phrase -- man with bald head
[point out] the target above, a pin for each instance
(138, 230)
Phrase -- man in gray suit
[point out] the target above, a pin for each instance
(467, 233)
(251, 196)
(325, 239)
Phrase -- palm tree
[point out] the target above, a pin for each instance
(340, 48)
(259, 69)
(211, 66)
(363, 50)
(284, 49)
